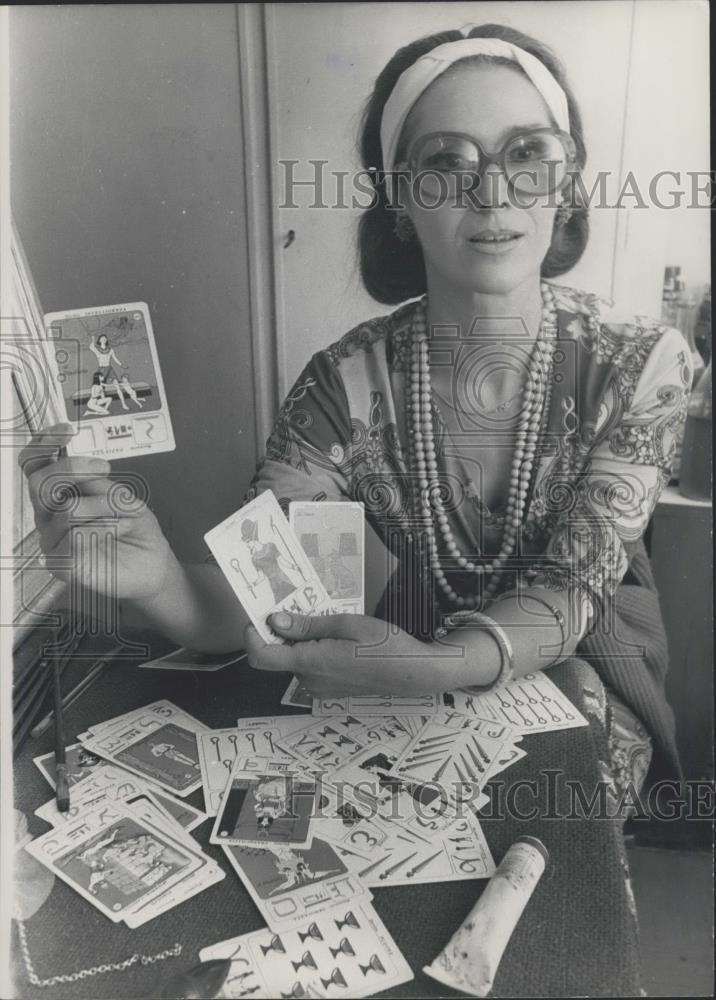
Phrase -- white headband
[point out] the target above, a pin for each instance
(429, 67)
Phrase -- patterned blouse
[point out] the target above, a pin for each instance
(617, 401)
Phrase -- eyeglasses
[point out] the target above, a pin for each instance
(535, 162)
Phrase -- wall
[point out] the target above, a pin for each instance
(325, 58)
(667, 128)
(127, 184)
(640, 75)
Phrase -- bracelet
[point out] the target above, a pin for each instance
(507, 667)
(559, 617)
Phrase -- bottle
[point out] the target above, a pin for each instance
(695, 475)
(669, 295)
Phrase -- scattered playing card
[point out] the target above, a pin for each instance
(114, 860)
(107, 379)
(332, 536)
(530, 704)
(164, 753)
(187, 659)
(346, 952)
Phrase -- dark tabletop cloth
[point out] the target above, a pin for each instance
(577, 937)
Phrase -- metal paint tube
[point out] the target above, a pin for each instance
(470, 959)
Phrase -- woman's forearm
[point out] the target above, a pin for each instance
(535, 635)
(197, 608)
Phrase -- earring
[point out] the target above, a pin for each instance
(563, 215)
(404, 228)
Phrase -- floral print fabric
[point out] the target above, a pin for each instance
(618, 399)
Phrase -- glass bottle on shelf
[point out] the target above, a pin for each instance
(669, 296)
(695, 475)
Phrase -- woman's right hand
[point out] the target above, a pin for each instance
(94, 530)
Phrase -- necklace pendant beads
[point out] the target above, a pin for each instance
(430, 508)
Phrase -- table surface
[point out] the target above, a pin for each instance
(67, 934)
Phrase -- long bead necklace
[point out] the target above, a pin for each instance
(430, 501)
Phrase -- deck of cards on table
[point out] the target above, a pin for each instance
(107, 382)
(312, 810)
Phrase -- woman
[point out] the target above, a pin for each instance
(99, 401)
(106, 359)
(508, 436)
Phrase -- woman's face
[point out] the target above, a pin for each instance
(489, 103)
(102, 342)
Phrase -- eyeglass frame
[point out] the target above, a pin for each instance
(498, 158)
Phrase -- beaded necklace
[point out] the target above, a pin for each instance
(430, 507)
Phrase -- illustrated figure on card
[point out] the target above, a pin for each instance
(116, 359)
(296, 870)
(267, 561)
(272, 799)
(123, 865)
(106, 359)
(99, 401)
(170, 751)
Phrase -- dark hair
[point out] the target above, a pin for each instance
(392, 270)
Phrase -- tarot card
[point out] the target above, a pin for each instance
(332, 536)
(379, 704)
(261, 558)
(80, 764)
(107, 376)
(265, 809)
(290, 885)
(114, 860)
(344, 952)
(297, 696)
(530, 704)
(162, 753)
(186, 659)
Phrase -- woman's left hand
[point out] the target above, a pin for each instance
(340, 655)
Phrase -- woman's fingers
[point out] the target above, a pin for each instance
(267, 656)
(305, 627)
(44, 447)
